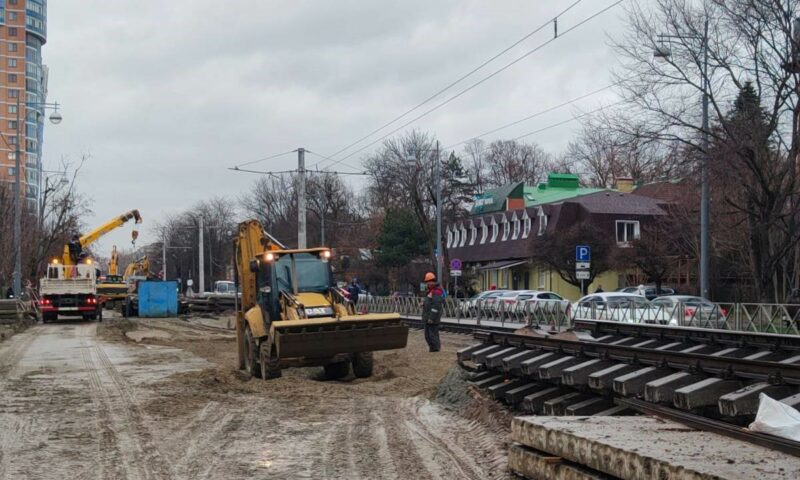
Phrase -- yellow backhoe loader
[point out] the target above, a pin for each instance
(291, 314)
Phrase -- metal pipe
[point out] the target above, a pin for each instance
(705, 203)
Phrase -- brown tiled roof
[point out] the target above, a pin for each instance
(676, 191)
(608, 202)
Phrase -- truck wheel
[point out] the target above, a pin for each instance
(335, 371)
(270, 366)
(251, 363)
(362, 364)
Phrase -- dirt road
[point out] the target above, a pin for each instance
(160, 399)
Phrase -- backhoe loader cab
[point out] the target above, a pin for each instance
(292, 315)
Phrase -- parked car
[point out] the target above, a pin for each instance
(546, 301)
(692, 311)
(486, 305)
(619, 307)
(469, 307)
(509, 301)
(649, 291)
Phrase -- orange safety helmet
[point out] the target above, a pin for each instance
(429, 277)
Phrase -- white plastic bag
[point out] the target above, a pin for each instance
(776, 418)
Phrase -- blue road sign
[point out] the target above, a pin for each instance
(583, 253)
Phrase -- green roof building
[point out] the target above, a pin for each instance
(559, 187)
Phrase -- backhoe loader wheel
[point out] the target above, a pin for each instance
(335, 371)
(269, 364)
(251, 363)
(362, 364)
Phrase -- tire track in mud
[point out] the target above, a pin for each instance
(202, 435)
(127, 417)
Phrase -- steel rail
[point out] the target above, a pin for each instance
(710, 425)
(768, 341)
(718, 365)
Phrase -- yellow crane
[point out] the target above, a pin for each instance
(113, 267)
(74, 249)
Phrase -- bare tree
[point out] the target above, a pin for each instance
(510, 161)
(747, 41)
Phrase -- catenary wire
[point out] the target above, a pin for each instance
(459, 79)
(462, 92)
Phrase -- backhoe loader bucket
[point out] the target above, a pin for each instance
(326, 337)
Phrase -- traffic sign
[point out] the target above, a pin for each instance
(455, 273)
(582, 275)
(583, 253)
(582, 265)
(455, 264)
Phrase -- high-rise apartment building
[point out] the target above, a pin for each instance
(23, 91)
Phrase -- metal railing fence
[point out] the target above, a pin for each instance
(747, 317)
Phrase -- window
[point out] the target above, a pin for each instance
(12, 16)
(463, 236)
(505, 228)
(12, 47)
(542, 278)
(526, 225)
(494, 230)
(12, 31)
(12, 78)
(515, 221)
(13, 93)
(627, 231)
(449, 237)
(12, 155)
(12, 62)
(12, 109)
(542, 222)
(473, 230)
(455, 236)
(12, 124)
(12, 140)
(484, 231)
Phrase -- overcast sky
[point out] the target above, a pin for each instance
(165, 95)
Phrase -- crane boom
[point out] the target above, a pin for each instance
(73, 249)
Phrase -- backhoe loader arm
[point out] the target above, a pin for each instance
(251, 240)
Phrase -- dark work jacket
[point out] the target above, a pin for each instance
(433, 305)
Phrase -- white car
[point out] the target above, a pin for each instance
(545, 302)
(692, 311)
(469, 306)
(620, 307)
(509, 302)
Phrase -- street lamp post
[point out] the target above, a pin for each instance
(55, 119)
(705, 204)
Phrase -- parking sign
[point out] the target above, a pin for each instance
(583, 253)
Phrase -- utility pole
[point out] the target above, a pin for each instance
(439, 252)
(164, 256)
(301, 198)
(17, 211)
(202, 280)
(704, 188)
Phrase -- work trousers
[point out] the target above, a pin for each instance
(432, 337)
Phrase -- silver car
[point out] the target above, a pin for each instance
(619, 307)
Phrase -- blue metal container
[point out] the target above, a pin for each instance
(158, 299)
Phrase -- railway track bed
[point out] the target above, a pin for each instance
(710, 378)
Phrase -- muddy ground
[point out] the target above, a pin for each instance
(157, 399)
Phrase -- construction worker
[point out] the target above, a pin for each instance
(432, 311)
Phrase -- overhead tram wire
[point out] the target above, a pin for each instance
(493, 74)
(236, 167)
(534, 115)
(459, 79)
(332, 160)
